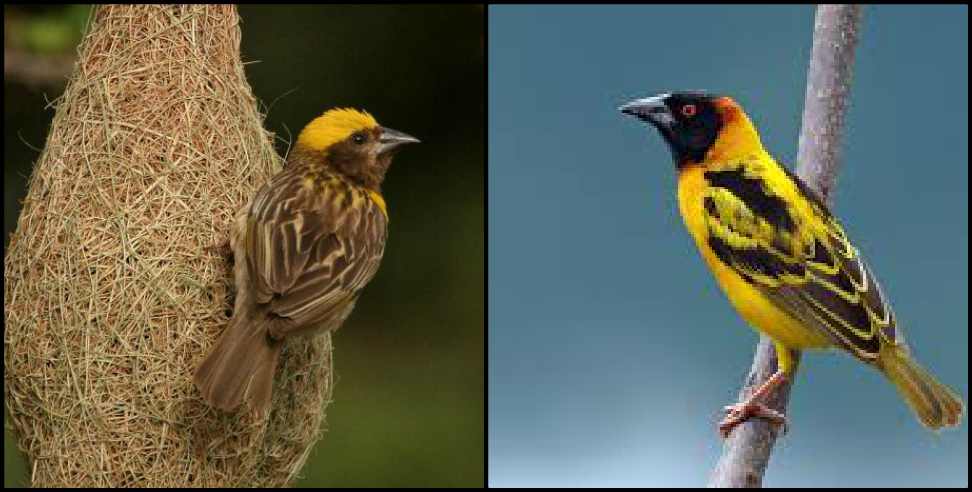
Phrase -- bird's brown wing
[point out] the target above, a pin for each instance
(311, 254)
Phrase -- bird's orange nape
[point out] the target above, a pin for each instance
(738, 136)
(780, 256)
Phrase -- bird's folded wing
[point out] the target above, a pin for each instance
(795, 253)
(309, 260)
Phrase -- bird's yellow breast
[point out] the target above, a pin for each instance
(751, 304)
(379, 201)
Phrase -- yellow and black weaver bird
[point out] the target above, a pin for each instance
(304, 248)
(780, 256)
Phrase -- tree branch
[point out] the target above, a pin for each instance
(747, 450)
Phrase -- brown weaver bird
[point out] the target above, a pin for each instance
(304, 248)
(780, 256)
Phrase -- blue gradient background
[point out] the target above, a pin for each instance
(611, 350)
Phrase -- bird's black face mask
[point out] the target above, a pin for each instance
(688, 121)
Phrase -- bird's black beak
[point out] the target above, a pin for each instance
(392, 139)
(651, 109)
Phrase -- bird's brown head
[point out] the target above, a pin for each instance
(350, 142)
(698, 127)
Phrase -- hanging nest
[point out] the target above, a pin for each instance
(115, 289)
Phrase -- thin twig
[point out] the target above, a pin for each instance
(747, 450)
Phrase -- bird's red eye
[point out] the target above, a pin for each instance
(689, 110)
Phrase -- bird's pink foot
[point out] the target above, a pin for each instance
(741, 412)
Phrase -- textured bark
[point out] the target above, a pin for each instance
(746, 451)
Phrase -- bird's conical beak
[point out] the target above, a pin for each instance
(392, 139)
(650, 109)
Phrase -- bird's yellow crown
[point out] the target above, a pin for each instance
(334, 126)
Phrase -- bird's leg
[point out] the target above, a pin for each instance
(223, 247)
(743, 411)
(221, 250)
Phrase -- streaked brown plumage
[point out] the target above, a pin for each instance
(305, 246)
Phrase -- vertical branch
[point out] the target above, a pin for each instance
(747, 450)
(828, 85)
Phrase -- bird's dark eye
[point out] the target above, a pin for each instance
(359, 138)
(689, 110)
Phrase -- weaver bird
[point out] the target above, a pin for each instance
(780, 256)
(304, 248)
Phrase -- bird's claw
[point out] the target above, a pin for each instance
(741, 412)
(221, 250)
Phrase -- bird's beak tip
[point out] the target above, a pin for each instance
(392, 139)
(626, 108)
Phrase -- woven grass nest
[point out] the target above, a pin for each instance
(113, 291)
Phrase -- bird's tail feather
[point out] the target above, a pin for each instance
(935, 404)
(240, 366)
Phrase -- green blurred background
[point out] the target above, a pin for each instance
(408, 405)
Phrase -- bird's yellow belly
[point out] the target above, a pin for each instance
(751, 304)
(760, 312)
